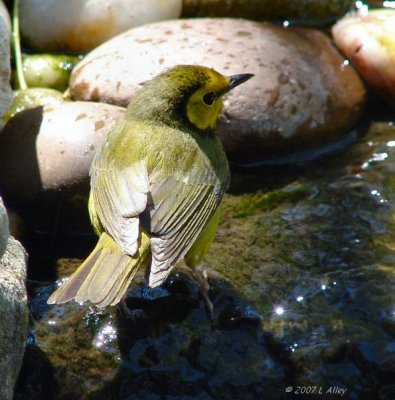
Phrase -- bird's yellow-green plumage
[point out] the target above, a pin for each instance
(156, 184)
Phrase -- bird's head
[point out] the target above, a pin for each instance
(184, 96)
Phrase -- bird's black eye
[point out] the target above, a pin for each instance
(209, 98)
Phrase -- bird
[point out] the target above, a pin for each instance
(156, 184)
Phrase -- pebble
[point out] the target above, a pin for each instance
(303, 94)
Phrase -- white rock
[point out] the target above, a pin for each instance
(81, 25)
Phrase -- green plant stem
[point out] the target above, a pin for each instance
(16, 40)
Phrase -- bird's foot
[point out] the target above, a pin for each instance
(202, 280)
(124, 309)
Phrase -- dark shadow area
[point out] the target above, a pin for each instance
(36, 379)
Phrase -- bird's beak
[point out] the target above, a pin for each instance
(236, 80)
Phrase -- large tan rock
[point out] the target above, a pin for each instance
(303, 95)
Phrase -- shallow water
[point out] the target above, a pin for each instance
(302, 282)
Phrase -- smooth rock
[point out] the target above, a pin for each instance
(13, 316)
(48, 70)
(5, 15)
(81, 25)
(302, 96)
(51, 148)
(4, 228)
(368, 40)
(5, 71)
(313, 12)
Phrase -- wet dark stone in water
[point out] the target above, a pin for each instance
(171, 349)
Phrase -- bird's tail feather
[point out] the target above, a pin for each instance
(104, 276)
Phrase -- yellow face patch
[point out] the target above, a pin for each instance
(205, 105)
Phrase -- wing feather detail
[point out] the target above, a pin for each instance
(177, 221)
(119, 198)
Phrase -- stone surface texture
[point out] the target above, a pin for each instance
(13, 316)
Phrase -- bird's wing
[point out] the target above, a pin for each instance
(119, 197)
(181, 209)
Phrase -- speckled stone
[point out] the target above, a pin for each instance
(303, 95)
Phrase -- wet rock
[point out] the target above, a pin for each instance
(48, 70)
(302, 96)
(31, 98)
(367, 39)
(313, 12)
(5, 71)
(13, 315)
(175, 354)
(51, 148)
(169, 348)
(81, 25)
(4, 228)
